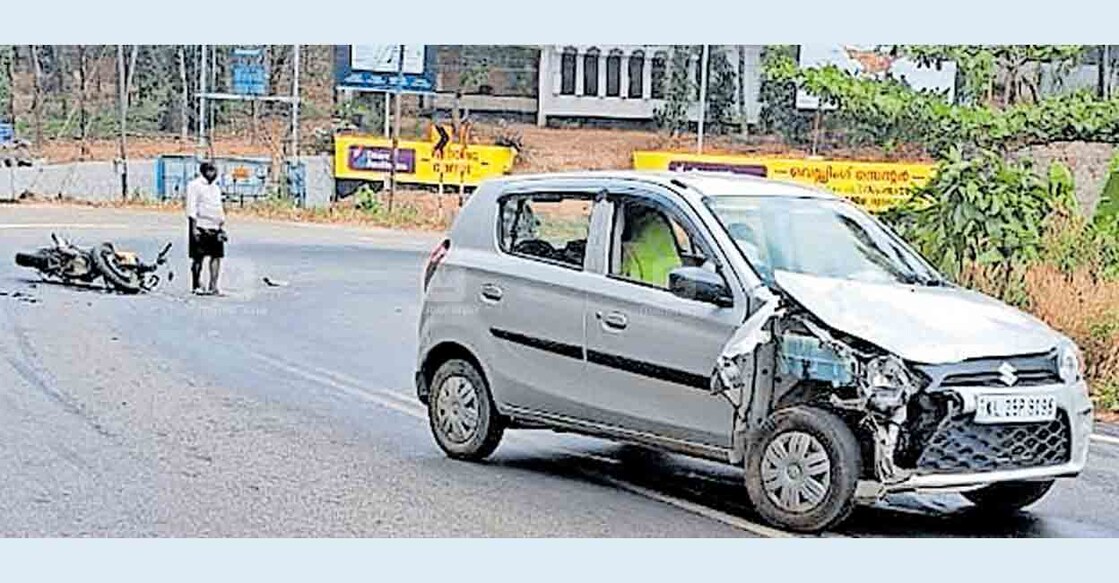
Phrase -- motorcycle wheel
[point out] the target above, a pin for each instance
(121, 278)
(40, 260)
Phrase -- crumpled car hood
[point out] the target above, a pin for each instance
(932, 325)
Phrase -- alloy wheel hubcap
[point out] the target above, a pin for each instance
(456, 409)
(796, 471)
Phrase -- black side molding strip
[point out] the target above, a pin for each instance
(648, 369)
(638, 367)
(560, 348)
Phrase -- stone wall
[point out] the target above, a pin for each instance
(99, 181)
(1088, 162)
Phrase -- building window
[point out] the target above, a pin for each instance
(614, 74)
(660, 61)
(590, 72)
(636, 74)
(567, 72)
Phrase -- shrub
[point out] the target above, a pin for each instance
(979, 218)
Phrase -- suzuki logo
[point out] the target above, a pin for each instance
(1008, 374)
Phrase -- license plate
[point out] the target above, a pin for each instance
(1014, 408)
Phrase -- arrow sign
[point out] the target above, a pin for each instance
(444, 137)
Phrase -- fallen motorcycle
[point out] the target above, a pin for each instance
(122, 271)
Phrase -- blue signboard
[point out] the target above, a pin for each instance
(249, 76)
(7, 133)
(379, 68)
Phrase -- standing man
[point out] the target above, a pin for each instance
(206, 219)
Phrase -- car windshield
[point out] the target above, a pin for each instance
(823, 237)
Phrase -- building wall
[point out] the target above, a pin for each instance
(576, 99)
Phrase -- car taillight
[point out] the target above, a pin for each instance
(435, 259)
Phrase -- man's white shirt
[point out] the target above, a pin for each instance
(203, 203)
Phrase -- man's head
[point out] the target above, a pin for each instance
(208, 171)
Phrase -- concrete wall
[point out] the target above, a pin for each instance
(1088, 162)
(99, 181)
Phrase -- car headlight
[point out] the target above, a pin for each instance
(890, 381)
(1070, 365)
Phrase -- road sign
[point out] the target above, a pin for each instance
(375, 67)
(249, 76)
(7, 133)
(441, 142)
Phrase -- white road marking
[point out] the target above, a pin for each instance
(704, 511)
(397, 402)
(10, 226)
(1105, 439)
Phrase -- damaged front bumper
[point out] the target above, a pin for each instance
(923, 435)
(1073, 405)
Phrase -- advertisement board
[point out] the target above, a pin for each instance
(249, 74)
(874, 62)
(876, 186)
(374, 68)
(369, 158)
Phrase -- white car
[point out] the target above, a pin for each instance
(759, 323)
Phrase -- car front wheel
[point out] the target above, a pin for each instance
(802, 469)
(461, 412)
(1008, 497)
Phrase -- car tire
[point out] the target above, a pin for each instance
(1007, 497)
(461, 413)
(802, 467)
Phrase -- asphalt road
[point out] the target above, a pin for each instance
(289, 411)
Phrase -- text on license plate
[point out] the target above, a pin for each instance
(1014, 408)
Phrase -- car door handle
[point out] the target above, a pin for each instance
(613, 320)
(491, 292)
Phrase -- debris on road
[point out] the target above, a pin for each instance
(275, 282)
(20, 296)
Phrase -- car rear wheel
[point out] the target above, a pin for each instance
(461, 412)
(1008, 497)
(802, 468)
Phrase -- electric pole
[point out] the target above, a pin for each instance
(396, 126)
(123, 119)
(706, 56)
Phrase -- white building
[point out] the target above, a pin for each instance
(627, 82)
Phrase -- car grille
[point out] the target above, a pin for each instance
(1026, 378)
(963, 446)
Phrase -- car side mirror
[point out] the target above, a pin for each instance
(702, 285)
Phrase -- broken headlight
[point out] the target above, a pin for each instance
(889, 381)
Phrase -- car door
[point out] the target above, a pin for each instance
(651, 353)
(532, 295)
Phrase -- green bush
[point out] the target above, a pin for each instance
(1107, 211)
(891, 112)
(980, 209)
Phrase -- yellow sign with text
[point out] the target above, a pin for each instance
(369, 158)
(876, 186)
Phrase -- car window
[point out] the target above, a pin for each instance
(648, 243)
(546, 226)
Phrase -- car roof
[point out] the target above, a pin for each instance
(691, 184)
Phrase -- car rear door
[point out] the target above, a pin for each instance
(651, 353)
(531, 296)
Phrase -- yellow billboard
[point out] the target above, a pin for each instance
(358, 157)
(875, 186)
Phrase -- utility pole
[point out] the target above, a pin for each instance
(386, 117)
(706, 56)
(123, 119)
(202, 99)
(396, 126)
(1105, 65)
(295, 105)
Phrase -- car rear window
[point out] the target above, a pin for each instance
(546, 226)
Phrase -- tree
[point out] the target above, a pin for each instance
(7, 83)
(721, 81)
(673, 115)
